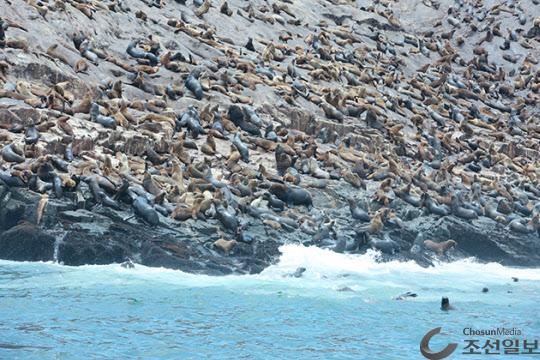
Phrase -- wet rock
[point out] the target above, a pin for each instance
(26, 242)
(78, 248)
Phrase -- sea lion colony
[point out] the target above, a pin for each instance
(241, 111)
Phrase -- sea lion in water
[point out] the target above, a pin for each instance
(445, 304)
(439, 248)
(128, 264)
(408, 294)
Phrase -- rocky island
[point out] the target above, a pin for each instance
(203, 135)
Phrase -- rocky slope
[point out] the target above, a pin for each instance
(185, 134)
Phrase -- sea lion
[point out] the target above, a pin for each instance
(445, 304)
(105, 121)
(356, 212)
(460, 211)
(408, 294)
(137, 53)
(41, 207)
(192, 84)
(433, 208)
(292, 195)
(143, 209)
(519, 225)
(228, 219)
(283, 160)
(385, 245)
(440, 248)
(128, 264)
(32, 135)
(225, 245)
(10, 154)
(241, 147)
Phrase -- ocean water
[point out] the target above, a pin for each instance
(50, 311)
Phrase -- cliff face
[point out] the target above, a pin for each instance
(151, 129)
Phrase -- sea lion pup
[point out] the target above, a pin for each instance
(11, 154)
(192, 83)
(292, 195)
(225, 245)
(356, 212)
(445, 304)
(440, 248)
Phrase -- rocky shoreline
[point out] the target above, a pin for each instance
(161, 133)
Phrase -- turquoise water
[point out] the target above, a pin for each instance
(49, 311)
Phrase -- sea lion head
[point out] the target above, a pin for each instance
(448, 244)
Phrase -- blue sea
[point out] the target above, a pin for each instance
(343, 307)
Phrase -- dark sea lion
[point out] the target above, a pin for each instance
(128, 264)
(356, 212)
(241, 117)
(143, 209)
(228, 219)
(9, 154)
(11, 180)
(519, 225)
(298, 272)
(433, 208)
(462, 212)
(404, 296)
(193, 84)
(274, 202)
(137, 53)
(32, 135)
(292, 195)
(445, 304)
(241, 147)
(191, 120)
(105, 121)
(386, 245)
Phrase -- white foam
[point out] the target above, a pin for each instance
(325, 270)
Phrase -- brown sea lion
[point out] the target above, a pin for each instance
(440, 248)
